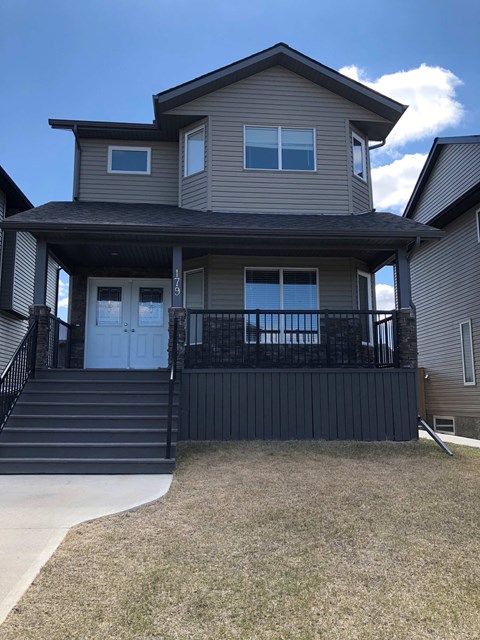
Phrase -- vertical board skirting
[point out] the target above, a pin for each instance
(299, 404)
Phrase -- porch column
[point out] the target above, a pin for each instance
(177, 278)
(177, 314)
(39, 312)
(406, 319)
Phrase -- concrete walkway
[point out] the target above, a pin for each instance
(36, 513)
(466, 442)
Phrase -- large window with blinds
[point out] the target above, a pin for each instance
(291, 291)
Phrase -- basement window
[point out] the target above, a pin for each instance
(133, 160)
(444, 424)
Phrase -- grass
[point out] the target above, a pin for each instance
(335, 541)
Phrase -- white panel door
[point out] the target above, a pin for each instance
(127, 324)
(149, 324)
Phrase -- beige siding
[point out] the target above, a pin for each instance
(277, 97)
(96, 184)
(457, 169)
(446, 291)
(226, 277)
(193, 189)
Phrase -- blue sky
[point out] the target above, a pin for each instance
(104, 59)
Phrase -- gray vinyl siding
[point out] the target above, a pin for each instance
(97, 185)
(446, 291)
(12, 331)
(193, 189)
(361, 195)
(226, 279)
(456, 170)
(278, 97)
(24, 273)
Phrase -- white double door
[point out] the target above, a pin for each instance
(127, 323)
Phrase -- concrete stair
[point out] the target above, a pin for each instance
(90, 421)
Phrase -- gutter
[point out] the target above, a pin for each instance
(377, 146)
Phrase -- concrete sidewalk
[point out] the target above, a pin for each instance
(36, 513)
(466, 442)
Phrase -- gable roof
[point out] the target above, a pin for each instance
(466, 198)
(281, 54)
(16, 199)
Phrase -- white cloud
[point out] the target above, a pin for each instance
(385, 296)
(63, 295)
(430, 94)
(393, 183)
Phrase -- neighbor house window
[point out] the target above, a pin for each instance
(359, 157)
(129, 160)
(444, 424)
(279, 148)
(273, 290)
(195, 151)
(467, 353)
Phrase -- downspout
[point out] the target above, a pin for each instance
(76, 169)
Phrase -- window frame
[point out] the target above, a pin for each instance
(185, 151)
(279, 149)
(477, 216)
(112, 148)
(452, 418)
(356, 136)
(473, 382)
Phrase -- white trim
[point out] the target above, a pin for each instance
(134, 173)
(279, 149)
(361, 140)
(185, 151)
(477, 215)
(472, 382)
(452, 418)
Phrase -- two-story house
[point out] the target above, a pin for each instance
(17, 259)
(237, 234)
(445, 284)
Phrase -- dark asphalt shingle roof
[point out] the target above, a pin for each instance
(140, 218)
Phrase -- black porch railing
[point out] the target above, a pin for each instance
(171, 388)
(58, 343)
(20, 368)
(258, 338)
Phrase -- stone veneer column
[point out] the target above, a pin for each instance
(407, 339)
(41, 313)
(180, 314)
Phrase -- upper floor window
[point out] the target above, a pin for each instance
(279, 148)
(359, 157)
(129, 160)
(194, 151)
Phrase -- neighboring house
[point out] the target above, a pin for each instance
(446, 284)
(237, 234)
(17, 254)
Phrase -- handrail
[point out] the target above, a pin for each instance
(171, 389)
(20, 368)
(58, 343)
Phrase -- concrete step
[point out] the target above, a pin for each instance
(82, 466)
(136, 409)
(123, 421)
(57, 385)
(103, 374)
(38, 435)
(87, 450)
(118, 396)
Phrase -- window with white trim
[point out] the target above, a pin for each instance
(279, 148)
(359, 157)
(195, 151)
(468, 363)
(282, 289)
(136, 160)
(444, 424)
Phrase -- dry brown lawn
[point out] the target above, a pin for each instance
(279, 541)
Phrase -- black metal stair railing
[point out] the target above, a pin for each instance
(59, 338)
(20, 368)
(171, 389)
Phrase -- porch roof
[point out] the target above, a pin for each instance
(90, 233)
